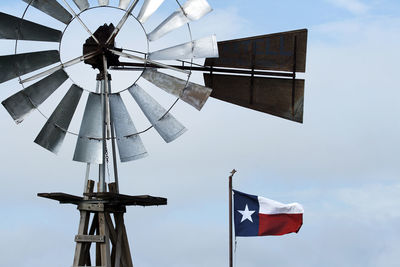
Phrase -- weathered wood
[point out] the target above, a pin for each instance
(92, 231)
(79, 258)
(90, 186)
(98, 250)
(89, 238)
(91, 207)
(125, 244)
(120, 199)
(104, 247)
(112, 237)
(110, 225)
(62, 197)
(118, 246)
(110, 198)
(112, 188)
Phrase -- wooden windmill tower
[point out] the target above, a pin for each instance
(257, 73)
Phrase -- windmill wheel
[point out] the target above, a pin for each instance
(105, 115)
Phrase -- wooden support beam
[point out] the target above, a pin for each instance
(90, 238)
(125, 243)
(104, 247)
(118, 246)
(91, 206)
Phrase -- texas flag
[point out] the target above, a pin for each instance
(259, 216)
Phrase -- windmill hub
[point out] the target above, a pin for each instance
(102, 34)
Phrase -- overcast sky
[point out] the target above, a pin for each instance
(341, 164)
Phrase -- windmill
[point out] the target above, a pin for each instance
(257, 73)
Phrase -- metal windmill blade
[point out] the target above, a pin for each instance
(104, 2)
(130, 145)
(89, 145)
(193, 94)
(13, 66)
(148, 9)
(27, 30)
(202, 48)
(82, 4)
(51, 8)
(190, 11)
(165, 124)
(53, 132)
(124, 4)
(23, 102)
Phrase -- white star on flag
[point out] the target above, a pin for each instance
(246, 214)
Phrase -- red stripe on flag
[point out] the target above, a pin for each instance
(279, 224)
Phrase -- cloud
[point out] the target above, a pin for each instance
(225, 23)
(373, 202)
(354, 6)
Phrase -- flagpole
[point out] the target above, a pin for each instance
(230, 220)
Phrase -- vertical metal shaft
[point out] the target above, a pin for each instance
(106, 95)
(102, 170)
(230, 220)
(114, 150)
(102, 182)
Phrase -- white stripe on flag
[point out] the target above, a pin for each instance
(269, 206)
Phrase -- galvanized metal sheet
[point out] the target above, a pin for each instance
(269, 95)
(192, 10)
(201, 48)
(124, 4)
(130, 145)
(23, 102)
(18, 29)
(53, 132)
(148, 9)
(89, 147)
(51, 8)
(193, 94)
(13, 66)
(82, 4)
(167, 126)
(103, 2)
(266, 52)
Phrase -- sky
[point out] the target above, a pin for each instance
(341, 164)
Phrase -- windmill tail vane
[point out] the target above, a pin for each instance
(259, 73)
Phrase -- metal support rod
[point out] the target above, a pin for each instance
(114, 151)
(230, 220)
(102, 170)
(99, 90)
(61, 66)
(122, 22)
(106, 94)
(141, 66)
(148, 61)
(80, 21)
